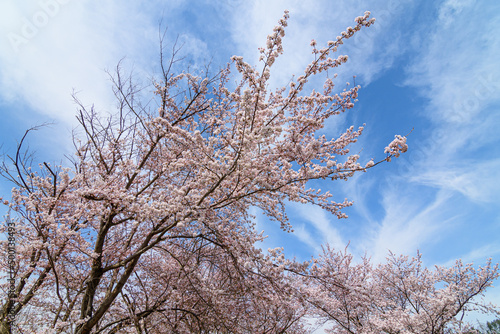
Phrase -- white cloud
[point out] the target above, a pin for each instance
(457, 68)
(65, 53)
(367, 58)
(477, 255)
(73, 48)
(480, 182)
(457, 71)
(409, 223)
(55, 47)
(302, 233)
(321, 229)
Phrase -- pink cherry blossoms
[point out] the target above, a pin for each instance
(397, 146)
(148, 230)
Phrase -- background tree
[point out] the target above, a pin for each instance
(493, 327)
(149, 231)
(399, 296)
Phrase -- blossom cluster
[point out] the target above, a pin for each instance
(396, 147)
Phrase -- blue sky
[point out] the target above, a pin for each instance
(428, 66)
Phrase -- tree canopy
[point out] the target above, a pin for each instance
(149, 231)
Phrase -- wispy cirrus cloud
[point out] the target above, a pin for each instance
(478, 182)
(323, 227)
(53, 47)
(371, 51)
(457, 72)
(410, 223)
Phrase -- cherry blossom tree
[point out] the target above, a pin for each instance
(399, 296)
(148, 231)
(492, 327)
